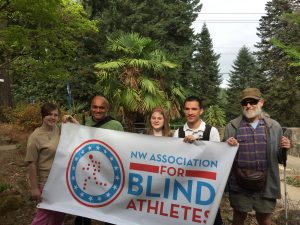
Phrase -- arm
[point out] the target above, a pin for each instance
(35, 190)
(69, 118)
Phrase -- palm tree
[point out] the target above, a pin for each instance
(136, 82)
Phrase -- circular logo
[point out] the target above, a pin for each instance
(95, 174)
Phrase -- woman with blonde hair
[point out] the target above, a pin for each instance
(158, 123)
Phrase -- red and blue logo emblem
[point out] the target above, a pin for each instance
(95, 174)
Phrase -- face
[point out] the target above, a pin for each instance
(192, 111)
(252, 108)
(51, 119)
(99, 108)
(157, 121)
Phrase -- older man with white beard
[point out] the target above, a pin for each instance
(254, 182)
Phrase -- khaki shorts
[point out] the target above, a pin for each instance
(244, 203)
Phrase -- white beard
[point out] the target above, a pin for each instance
(252, 113)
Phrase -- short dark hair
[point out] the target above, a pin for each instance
(47, 108)
(193, 98)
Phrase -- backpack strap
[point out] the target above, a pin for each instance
(181, 132)
(206, 132)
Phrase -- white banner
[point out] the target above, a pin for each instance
(127, 179)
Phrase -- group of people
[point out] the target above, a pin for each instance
(260, 141)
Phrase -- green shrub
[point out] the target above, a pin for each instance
(5, 114)
(215, 116)
(27, 116)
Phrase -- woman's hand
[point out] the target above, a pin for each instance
(69, 118)
(36, 194)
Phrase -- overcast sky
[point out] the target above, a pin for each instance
(231, 24)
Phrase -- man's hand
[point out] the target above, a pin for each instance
(36, 194)
(285, 143)
(189, 139)
(232, 141)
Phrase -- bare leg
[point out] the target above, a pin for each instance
(238, 217)
(264, 218)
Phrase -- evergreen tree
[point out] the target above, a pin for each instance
(291, 49)
(206, 79)
(244, 74)
(281, 91)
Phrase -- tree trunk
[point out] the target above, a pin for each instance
(5, 88)
(130, 118)
(5, 82)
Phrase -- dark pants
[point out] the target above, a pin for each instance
(82, 221)
(218, 220)
(85, 221)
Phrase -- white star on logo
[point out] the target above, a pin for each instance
(115, 187)
(90, 198)
(81, 194)
(73, 168)
(99, 198)
(90, 148)
(97, 147)
(116, 168)
(108, 194)
(117, 178)
(73, 178)
(75, 187)
(76, 159)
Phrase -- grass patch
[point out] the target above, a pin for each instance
(294, 181)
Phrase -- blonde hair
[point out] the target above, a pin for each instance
(166, 131)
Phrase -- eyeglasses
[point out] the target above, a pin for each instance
(250, 101)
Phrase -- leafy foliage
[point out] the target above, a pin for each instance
(215, 116)
(40, 44)
(44, 42)
(135, 82)
(167, 22)
(25, 116)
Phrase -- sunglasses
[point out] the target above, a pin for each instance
(250, 101)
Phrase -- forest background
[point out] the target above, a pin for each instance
(140, 54)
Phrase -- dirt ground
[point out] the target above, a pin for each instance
(16, 207)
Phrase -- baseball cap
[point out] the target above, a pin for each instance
(251, 93)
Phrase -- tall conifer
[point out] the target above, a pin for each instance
(244, 74)
(206, 80)
(281, 90)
